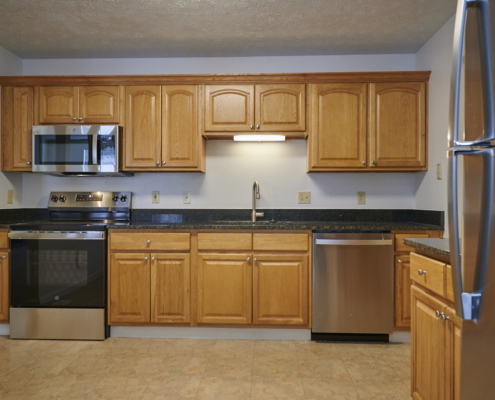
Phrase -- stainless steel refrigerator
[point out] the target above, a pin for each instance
(471, 194)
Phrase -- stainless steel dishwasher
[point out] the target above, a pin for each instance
(353, 286)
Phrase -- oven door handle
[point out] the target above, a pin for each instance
(30, 235)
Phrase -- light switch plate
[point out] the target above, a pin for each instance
(10, 196)
(303, 197)
(439, 171)
(155, 197)
(361, 197)
(187, 197)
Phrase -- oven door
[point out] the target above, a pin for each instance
(58, 269)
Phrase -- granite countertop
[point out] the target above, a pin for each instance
(435, 247)
(341, 226)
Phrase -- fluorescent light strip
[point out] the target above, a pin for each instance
(259, 138)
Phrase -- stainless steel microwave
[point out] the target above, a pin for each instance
(77, 150)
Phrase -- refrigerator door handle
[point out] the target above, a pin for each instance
(468, 304)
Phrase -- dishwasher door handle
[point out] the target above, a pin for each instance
(353, 242)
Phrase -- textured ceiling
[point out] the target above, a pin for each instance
(206, 28)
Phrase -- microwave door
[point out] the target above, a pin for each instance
(473, 75)
(472, 241)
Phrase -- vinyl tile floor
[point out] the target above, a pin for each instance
(159, 369)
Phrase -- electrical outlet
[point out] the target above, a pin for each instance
(439, 172)
(155, 197)
(361, 198)
(10, 196)
(187, 197)
(303, 197)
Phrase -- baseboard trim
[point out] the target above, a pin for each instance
(209, 333)
(400, 337)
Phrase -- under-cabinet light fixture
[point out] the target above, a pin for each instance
(259, 138)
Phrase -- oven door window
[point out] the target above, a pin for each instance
(58, 273)
(64, 150)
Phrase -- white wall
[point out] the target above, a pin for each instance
(10, 64)
(232, 167)
(436, 55)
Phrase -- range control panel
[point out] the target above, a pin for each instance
(106, 200)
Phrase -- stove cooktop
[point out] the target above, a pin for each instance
(71, 226)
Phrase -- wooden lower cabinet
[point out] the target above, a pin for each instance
(454, 355)
(170, 288)
(402, 292)
(280, 290)
(129, 287)
(4, 286)
(224, 289)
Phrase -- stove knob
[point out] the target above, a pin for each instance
(54, 198)
(115, 198)
(123, 198)
(62, 198)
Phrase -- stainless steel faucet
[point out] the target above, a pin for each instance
(256, 195)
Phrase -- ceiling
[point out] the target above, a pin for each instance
(213, 28)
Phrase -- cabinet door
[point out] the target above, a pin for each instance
(453, 365)
(129, 287)
(180, 134)
(59, 104)
(428, 350)
(143, 127)
(397, 124)
(224, 289)
(99, 104)
(402, 292)
(170, 288)
(338, 134)
(23, 128)
(280, 290)
(229, 108)
(4, 286)
(280, 108)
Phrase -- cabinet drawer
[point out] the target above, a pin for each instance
(449, 286)
(4, 240)
(280, 241)
(399, 237)
(433, 273)
(225, 241)
(150, 241)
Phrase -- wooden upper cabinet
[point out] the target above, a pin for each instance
(280, 289)
(170, 288)
(428, 347)
(229, 108)
(224, 289)
(4, 286)
(23, 128)
(397, 125)
(99, 104)
(58, 104)
(280, 108)
(142, 127)
(402, 292)
(180, 134)
(338, 135)
(129, 287)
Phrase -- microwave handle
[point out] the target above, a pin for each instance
(95, 148)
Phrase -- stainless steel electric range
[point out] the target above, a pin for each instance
(58, 267)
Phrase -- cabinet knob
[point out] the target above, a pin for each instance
(421, 272)
(148, 241)
(373, 162)
(158, 163)
(163, 163)
(251, 126)
(28, 163)
(145, 258)
(152, 258)
(257, 127)
(80, 118)
(399, 261)
(255, 259)
(4, 257)
(75, 118)
(249, 258)
(364, 162)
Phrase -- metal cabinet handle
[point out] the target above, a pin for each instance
(364, 162)
(373, 162)
(399, 261)
(28, 163)
(75, 118)
(152, 258)
(257, 127)
(145, 258)
(148, 241)
(158, 163)
(249, 258)
(251, 126)
(421, 272)
(4, 257)
(163, 163)
(80, 118)
(438, 313)
(255, 259)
